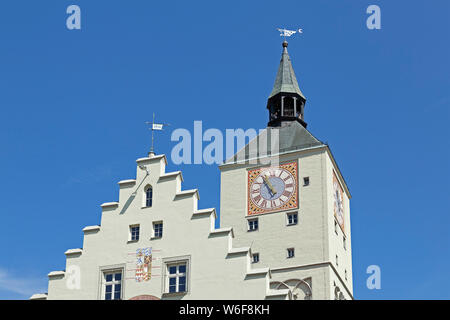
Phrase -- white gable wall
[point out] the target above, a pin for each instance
(217, 269)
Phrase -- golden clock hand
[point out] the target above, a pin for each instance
(268, 187)
(272, 189)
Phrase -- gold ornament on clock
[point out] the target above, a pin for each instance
(273, 189)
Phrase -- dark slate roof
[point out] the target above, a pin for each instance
(286, 81)
(292, 136)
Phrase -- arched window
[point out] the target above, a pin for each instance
(148, 196)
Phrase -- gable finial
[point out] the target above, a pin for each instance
(155, 126)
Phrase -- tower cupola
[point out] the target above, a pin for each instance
(286, 102)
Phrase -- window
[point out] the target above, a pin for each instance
(148, 196)
(335, 227)
(345, 274)
(292, 219)
(134, 233)
(290, 252)
(176, 277)
(336, 293)
(157, 229)
(253, 225)
(112, 285)
(306, 181)
(255, 258)
(288, 106)
(337, 260)
(344, 241)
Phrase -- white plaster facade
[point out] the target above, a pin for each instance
(217, 269)
(216, 258)
(219, 262)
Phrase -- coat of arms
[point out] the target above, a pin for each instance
(143, 264)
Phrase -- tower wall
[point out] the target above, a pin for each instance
(313, 237)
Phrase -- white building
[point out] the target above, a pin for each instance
(285, 225)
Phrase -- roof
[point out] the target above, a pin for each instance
(286, 81)
(292, 136)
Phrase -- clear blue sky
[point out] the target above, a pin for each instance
(73, 106)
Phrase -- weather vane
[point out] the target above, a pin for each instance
(287, 33)
(157, 127)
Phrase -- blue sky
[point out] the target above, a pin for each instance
(73, 106)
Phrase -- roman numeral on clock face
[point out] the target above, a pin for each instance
(257, 198)
(287, 194)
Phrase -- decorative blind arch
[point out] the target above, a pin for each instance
(300, 289)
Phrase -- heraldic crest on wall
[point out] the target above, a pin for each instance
(273, 188)
(143, 264)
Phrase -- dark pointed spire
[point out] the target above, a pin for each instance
(286, 102)
(286, 81)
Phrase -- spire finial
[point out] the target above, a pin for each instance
(287, 33)
(285, 44)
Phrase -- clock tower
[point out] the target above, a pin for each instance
(291, 205)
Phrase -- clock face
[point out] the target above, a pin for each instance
(338, 199)
(272, 189)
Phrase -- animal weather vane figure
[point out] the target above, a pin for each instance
(287, 33)
(155, 127)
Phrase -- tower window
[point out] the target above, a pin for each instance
(288, 106)
(337, 260)
(253, 225)
(336, 292)
(292, 219)
(290, 252)
(335, 227)
(344, 241)
(157, 229)
(345, 274)
(112, 285)
(148, 196)
(306, 181)
(255, 258)
(134, 232)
